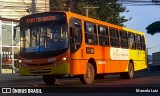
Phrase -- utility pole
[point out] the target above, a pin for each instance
(87, 9)
(147, 49)
(33, 7)
(0, 46)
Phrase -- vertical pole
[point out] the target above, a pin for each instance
(45, 5)
(147, 57)
(87, 10)
(0, 46)
(33, 7)
(12, 56)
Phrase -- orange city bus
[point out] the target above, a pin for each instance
(57, 44)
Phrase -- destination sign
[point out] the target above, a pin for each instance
(41, 19)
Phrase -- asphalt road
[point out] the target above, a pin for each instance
(143, 78)
(112, 85)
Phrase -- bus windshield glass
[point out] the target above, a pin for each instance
(44, 38)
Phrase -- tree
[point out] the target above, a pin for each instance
(156, 1)
(108, 11)
(153, 28)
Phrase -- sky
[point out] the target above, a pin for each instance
(142, 16)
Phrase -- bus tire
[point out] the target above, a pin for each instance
(130, 73)
(88, 78)
(49, 79)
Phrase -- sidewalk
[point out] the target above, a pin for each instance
(12, 76)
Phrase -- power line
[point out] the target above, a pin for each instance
(124, 2)
(154, 46)
(25, 3)
(141, 4)
(4, 2)
(138, 3)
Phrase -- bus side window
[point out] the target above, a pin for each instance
(131, 40)
(123, 39)
(103, 36)
(90, 33)
(138, 42)
(143, 43)
(114, 37)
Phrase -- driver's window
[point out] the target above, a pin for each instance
(43, 35)
(35, 37)
(48, 38)
(27, 39)
(59, 33)
(64, 32)
(56, 33)
(75, 34)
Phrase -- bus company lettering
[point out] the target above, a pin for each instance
(40, 19)
(119, 54)
(101, 62)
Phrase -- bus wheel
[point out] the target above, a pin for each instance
(88, 78)
(49, 79)
(130, 73)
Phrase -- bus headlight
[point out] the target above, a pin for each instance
(64, 58)
(20, 61)
(61, 61)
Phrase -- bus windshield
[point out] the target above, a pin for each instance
(44, 38)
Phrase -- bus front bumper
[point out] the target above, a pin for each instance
(63, 68)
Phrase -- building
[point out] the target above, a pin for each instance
(10, 15)
(155, 65)
(156, 58)
(9, 8)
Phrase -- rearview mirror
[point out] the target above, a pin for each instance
(14, 32)
(70, 29)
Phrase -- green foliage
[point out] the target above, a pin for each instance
(58, 5)
(155, 1)
(153, 28)
(108, 11)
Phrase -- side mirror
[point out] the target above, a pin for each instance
(70, 29)
(14, 32)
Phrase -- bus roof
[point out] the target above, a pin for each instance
(70, 14)
(133, 31)
(104, 23)
(93, 20)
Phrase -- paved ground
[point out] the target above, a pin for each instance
(146, 76)
(14, 76)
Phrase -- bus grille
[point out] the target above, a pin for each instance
(40, 71)
(43, 64)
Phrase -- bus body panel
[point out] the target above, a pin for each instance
(102, 55)
(138, 56)
(51, 65)
(108, 59)
(63, 68)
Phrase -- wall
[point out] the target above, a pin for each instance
(15, 9)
